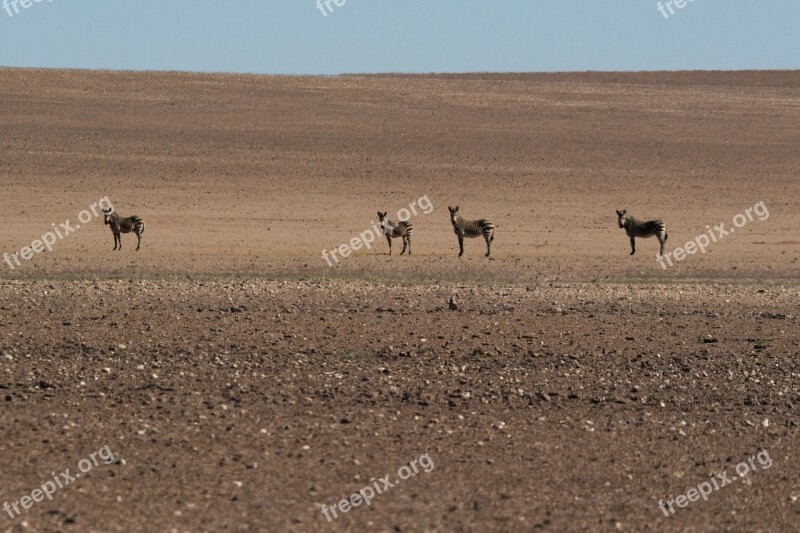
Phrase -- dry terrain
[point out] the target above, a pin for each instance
(241, 383)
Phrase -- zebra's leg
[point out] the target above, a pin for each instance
(460, 246)
(409, 245)
(115, 241)
(119, 240)
(633, 246)
(488, 246)
(139, 244)
(404, 246)
(389, 240)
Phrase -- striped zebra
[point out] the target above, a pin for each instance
(471, 228)
(393, 230)
(123, 225)
(642, 229)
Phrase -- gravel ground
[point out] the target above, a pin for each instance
(249, 404)
(225, 378)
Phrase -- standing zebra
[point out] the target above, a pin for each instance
(471, 228)
(392, 230)
(642, 229)
(123, 225)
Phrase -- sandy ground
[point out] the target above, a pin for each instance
(242, 383)
(250, 174)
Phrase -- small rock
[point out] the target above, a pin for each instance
(452, 303)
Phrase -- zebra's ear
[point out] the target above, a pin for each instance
(456, 210)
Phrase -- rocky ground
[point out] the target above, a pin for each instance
(249, 404)
(241, 383)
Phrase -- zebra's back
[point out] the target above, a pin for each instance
(134, 223)
(403, 229)
(647, 228)
(475, 228)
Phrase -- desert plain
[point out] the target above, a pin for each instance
(243, 383)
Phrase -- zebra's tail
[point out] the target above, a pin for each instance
(488, 227)
(138, 224)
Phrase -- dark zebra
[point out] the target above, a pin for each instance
(471, 228)
(123, 225)
(642, 229)
(393, 230)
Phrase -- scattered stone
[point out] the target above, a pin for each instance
(451, 304)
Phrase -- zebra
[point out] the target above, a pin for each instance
(123, 225)
(471, 228)
(642, 229)
(393, 230)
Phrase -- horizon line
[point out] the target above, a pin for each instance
(396, 73)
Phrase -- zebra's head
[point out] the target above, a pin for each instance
(384, 220)
(453, 215)
(107, 213)
(621, 218)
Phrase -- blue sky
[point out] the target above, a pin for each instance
(294, 37)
